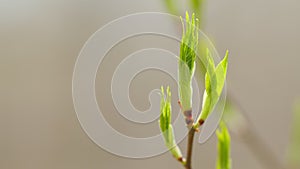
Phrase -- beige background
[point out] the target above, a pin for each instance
(39, 43)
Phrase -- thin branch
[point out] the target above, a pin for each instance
(261, 150)
(254, 142)
(191, 134)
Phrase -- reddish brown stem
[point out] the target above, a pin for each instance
(191, 134)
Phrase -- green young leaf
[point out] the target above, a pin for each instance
(165, 123)
(210, 72)
(224, 159)
(186, 64)
(294, 146)
(220, 74)
(214, 83)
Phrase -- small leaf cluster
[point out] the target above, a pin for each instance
(187, 58)
(165, 123)
(189, 42)
(214, 83)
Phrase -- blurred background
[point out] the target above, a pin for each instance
(39, 44)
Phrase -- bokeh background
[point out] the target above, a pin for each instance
(39, 44)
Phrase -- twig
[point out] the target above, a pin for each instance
(254, 142)
(261, 150)
(191, 134)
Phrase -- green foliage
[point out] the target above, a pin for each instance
(214, 83)
(294, 147)
(165, 123)
(189, 43)
(224, 160)
(188, 50)
(165, 109)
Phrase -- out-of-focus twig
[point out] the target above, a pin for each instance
(238, 123)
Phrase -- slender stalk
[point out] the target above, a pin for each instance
(191, 134)
(261, 150)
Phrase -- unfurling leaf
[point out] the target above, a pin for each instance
(187, 58)
(165, 123)
(224, 159)
(214, 83)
